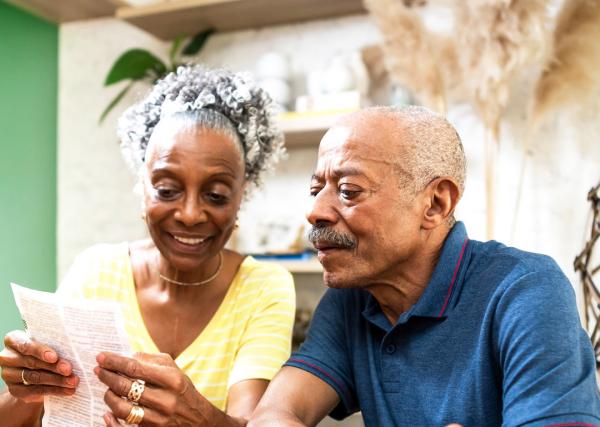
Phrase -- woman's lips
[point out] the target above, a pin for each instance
(188, 244)
(189, 240)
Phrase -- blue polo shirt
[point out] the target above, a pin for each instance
(495, 339)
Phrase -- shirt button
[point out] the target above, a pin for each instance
(390, 349)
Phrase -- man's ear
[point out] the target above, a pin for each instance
(442, 197)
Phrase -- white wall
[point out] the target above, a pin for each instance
(95, 198)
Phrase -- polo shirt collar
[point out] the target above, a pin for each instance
(446, 277)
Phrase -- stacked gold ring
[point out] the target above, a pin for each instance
(136, 415)
(23, 380)
(135, 391)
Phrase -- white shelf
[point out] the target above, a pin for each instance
(307, 129)
(168, 19)
(60, 11)
(300, 267)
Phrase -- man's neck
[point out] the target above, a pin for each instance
(399, 293)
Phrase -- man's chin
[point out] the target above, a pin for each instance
(337, 280)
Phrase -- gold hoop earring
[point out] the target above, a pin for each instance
(237, 223)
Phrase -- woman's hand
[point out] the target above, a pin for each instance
(169, 398)
(32, 370)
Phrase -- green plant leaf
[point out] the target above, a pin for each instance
(115, 101)
(174, 49)
(196, 43)
(134, 64)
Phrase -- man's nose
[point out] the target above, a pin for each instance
(323, 208)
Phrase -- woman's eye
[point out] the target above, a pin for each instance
(219, 199)
(166, 193)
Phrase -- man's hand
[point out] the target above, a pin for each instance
(294, 398)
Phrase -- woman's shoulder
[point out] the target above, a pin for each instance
(97, 266)
(252, 267)
(261, 274)
(104, 253)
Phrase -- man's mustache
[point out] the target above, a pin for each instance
(330, 237)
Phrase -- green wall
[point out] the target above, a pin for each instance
(28, 104)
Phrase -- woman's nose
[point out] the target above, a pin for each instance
(191, 212)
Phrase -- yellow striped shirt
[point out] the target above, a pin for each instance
(249, 337)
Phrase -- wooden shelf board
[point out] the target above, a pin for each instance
(303, 130)
(168, 19)
(311, 266)
(60, 11)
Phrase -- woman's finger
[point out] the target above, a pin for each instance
(38, 377)
(121, 409)
(11, 358)
(111, 421)
(20, 341)
(36, 393)
(160, 400)
(162, 376)
(162, 359)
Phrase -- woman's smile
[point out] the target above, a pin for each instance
(188, 244)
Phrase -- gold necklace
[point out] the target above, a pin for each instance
(203, 282)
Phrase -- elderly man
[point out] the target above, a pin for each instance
(423, 326)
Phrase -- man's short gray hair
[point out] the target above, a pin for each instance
(433, 147)
(209, 98)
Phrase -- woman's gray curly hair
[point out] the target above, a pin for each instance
(194, 88)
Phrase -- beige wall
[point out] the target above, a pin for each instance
(96, 202)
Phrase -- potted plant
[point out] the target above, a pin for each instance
(141, 65)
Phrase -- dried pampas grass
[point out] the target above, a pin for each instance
(498, 38)
(572, 73)
(410, 55)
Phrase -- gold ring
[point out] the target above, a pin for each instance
(136, 415)
(136, 390)
(25, 382)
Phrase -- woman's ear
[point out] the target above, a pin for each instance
(442, 196)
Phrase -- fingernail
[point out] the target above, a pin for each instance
(100, 358)
(64, 368)
(97, 370)
(72, 380)
(49, 356)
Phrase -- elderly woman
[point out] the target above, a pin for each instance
(212, 326)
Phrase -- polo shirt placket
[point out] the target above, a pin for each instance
(460, 354)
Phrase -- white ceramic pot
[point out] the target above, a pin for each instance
(278, 89)
(273, 65)
(338, 77)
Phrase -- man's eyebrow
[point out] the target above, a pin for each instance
(348, 171)
(341, 172)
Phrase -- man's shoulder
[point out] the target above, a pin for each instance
(509, 264)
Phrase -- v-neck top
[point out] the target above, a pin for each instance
(248, 337)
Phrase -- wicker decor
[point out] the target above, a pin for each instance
(588, 265)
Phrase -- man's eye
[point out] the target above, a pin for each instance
(349, 194)
(314, 191)
(167, 193)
